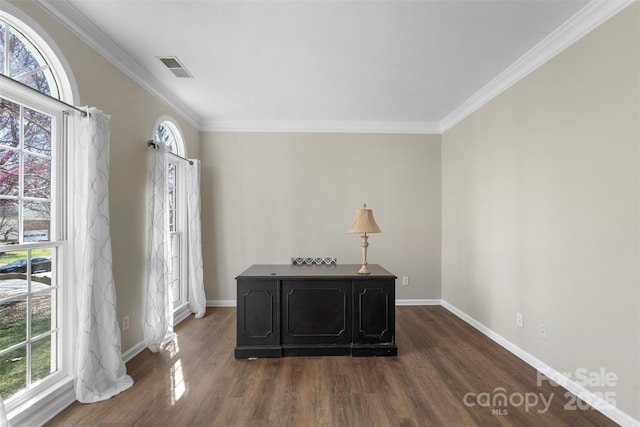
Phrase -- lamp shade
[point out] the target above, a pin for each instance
(364, 222)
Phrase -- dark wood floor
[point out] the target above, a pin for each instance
(441, 359)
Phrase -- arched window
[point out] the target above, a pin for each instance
(23, 62)
(35, 346)
(169, 133)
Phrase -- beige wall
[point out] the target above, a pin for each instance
(133, 115)
(268, 197)
(541, 210)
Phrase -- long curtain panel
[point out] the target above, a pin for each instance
(197, 298)
(158, 320)
(100, 372)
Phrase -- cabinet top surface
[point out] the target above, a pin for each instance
(309, 271)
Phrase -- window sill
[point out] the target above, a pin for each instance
(41, 406)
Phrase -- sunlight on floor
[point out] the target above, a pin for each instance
(173, 348)
(178, 386)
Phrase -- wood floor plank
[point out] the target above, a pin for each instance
(196, 381)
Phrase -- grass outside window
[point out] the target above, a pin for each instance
(33, 343)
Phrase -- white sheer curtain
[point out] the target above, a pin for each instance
(158, 319)
(197, 298)
(100, 372)
(3, 415)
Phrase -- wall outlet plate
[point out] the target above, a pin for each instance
(519, 320)
(543, 331)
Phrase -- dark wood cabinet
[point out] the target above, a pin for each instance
(258, 313)
(287, 310)
(373, 312)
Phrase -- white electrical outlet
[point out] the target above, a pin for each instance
(543, 331)
(405, 280)
(125, 323)
(519, 320)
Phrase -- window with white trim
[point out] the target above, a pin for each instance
(23, 61)
(33, 341)
(168, 132)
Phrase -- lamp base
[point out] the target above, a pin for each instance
(364, 269)
(364, 245)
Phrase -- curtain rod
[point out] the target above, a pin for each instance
(151, 143)
(80, 110)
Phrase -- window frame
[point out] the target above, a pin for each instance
(57, 238)
(53, 393)
(180, 307)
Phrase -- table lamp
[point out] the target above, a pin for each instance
(364, 223)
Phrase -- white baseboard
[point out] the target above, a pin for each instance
(133, 351)
(221, 303)
(178, 317)
(181, 314)
(418, 302)
(598, 403)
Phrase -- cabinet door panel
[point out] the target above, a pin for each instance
(374, 311)
(258, 313)
(316, 312)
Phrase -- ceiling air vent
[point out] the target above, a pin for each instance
(174, 65)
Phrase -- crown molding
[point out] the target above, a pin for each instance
(69, 16)
(587, 19)
(321, 126)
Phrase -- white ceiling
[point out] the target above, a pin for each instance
(387, 66)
